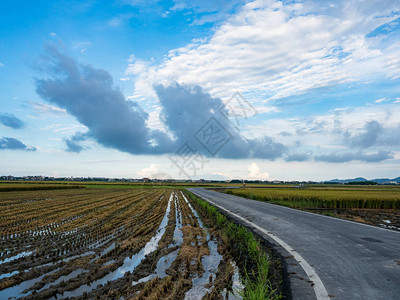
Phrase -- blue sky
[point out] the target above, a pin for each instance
(291, 90)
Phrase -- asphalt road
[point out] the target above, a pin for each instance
(352, 260)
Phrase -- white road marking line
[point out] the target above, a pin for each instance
(319, 288)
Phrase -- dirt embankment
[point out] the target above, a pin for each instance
(385, 218)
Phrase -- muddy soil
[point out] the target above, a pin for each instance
(143, 259)
(385, 218)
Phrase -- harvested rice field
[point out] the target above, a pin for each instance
(110, 244)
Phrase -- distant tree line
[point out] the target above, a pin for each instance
(361, 183)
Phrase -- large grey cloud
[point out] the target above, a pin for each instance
(186, 110)
(11, 121)
(8, 143)
(90, 95)
(374, 134)
(367, 138)
(298, 157)
(73, 144)
(358, 156)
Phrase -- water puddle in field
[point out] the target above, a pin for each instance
(194, 211)
(15, 257)
(104, 252)
(78, 256)
(210, 264)
(389, 227)
(237, 285)
(71, 275)
(178, 234)
(6, 275)
(163, 265)
(108, 249)
(130, 263)
(21, 290)
(109, 262)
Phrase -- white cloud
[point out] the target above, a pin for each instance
(396, 155)
(223, 175)
(281, 50)
(154, 120)
(380, 100)
(119, 20)
(1, 65)
(42, 108)
(146, 172)
(255, 173)
(115, 22)
(325, 130)
(153, 172)
(66, 129)
(82, 46)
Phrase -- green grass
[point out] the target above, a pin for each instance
(247, 250)
(357, 197)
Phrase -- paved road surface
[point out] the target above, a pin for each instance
(352, 260)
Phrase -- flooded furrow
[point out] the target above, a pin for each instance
(210, 264)
(201, 285)
(178, 234)
(193, 210)
(22, 289)
(163, 264)
(15, 257)
(6, 275)
(60, 279)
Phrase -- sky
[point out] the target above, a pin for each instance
(260, 90)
